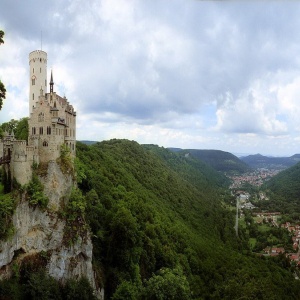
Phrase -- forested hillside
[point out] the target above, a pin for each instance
(159, 232)
(260, 161)
(284, 190)
(219, 160)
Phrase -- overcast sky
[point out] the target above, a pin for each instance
(177, 73)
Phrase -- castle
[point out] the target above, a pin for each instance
(52, 123)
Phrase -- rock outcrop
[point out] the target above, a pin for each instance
(43, 231)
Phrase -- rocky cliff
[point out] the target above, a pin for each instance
(43, 232)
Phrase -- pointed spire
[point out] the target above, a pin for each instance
(51, 83)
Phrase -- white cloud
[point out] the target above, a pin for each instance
(198, 74)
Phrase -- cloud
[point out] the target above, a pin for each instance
(200, 73)
(256, 110)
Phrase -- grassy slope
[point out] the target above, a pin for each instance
(146, 216)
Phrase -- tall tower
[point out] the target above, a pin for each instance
(38, 76)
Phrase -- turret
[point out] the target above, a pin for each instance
(51, 83)
(38, 76)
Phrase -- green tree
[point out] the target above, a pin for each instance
(167, 284)
(2, 87)
(21, 129)
(10, 126)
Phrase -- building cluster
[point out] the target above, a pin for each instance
(52, 123)
(256, 178)
(295, 231)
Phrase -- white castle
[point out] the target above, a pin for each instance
(52, 123)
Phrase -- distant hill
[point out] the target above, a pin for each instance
(88, 142)
(195, 171)
(285, 187)
(260, 161)
(219, 160)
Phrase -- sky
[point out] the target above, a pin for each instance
(177, 73)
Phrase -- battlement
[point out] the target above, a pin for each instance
(38, 55)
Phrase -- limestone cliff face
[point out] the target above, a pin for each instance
(37, 231)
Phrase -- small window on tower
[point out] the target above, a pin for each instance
(40, 70)
(33, 81)
(33, 70)
(33, 96)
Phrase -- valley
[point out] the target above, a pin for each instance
(161, 219)
(270, 230)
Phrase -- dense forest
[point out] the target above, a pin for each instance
(284, 191)
(161, 229)
(160, 234)
(220, 160)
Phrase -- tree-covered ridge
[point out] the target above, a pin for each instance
(260, 161)
(219, 160)
(284, 189)
(192, 169)
(153, 226)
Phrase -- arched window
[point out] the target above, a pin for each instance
(33, 130)
(45, 144)
(48, 130)
(41, 130)
(41, 117)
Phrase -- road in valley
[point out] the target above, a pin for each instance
(236, 227)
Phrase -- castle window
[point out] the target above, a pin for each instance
(45, 144)
(41, 117)
(33, 81)
(48, 130)
(33, 70)
(33, 130)
(40, 70)
(41, 130)
(33, 96)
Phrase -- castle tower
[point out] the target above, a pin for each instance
(38, 76)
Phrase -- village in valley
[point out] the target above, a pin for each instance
(270, 233)
(255, 178)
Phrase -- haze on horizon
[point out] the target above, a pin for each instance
(195, 74)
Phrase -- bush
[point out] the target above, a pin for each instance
(35, 192)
